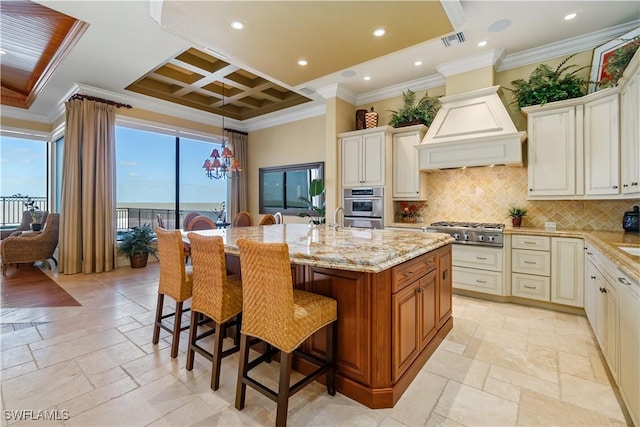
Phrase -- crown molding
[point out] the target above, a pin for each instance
(22, 114)
(488, 58)
(453, 9)
(565, 47)
(423, 83)
(286, 116)
(337, 91)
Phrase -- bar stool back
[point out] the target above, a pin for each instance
(283, 317)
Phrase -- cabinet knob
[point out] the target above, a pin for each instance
(614, 187)
(634, 183)
(531, 189)
(593, 277)
(624, 185)
(623, 281)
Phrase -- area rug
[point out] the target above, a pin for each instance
(28, 286)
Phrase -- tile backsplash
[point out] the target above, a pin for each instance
(485, 195)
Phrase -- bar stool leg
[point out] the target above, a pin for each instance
(193, 332)
(177, 322)
(217, 356)
(331, 373)
(156, 325)
(283, 388)
(243, 367)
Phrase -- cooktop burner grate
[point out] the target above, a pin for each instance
(493, 225)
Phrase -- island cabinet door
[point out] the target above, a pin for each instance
(352, 291)
(444, 285)
(406, 327)
(428, 312)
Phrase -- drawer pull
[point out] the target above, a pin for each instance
(593, 277)
(589, 253)
(407, 274)
(530, 262)
(624, 281)
(481, 281)
(603, 290)
(530, 287)
(528, 242)
(420, 290)
(481, 257)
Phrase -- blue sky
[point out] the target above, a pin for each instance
(145, 168)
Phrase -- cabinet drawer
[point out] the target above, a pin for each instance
(537, 243)
(483, 258)
(488, 282)
(530, 262)
(408, 272)
(528, 286)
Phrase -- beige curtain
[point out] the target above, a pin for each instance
(238, 191)
(88, 206)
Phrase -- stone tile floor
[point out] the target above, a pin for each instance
(501, 365)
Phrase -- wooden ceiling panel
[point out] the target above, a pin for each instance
(195, 79)
(36, 39)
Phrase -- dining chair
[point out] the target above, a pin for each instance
(176, 281)
(216, 296)
(160, 221)
(243, 219)
(188, 217)
(201, 222)
(268, 219)
(284, 317)
(278, 217)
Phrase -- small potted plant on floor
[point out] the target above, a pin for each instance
(137, 244)
(516, 215)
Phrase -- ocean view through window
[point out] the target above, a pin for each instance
(161, 175)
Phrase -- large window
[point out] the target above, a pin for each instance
(23, 171)
(160, 176)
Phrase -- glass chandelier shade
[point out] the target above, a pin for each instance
(221, 165)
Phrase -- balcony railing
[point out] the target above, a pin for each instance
(11, 209)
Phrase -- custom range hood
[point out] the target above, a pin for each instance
(471, 129)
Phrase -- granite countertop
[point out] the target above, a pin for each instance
(353, 249)
(608, 242)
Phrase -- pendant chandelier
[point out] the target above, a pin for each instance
(222, 163)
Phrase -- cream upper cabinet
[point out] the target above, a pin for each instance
(567, 271)
(552, 152)
(408, 182)
(602, 145)
(630, 128)
(363, 156)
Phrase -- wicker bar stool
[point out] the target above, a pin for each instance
(243, 219)
(215, 295)
(175, 281)
(283, 317)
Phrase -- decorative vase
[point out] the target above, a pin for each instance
(371, 119)
(410, 219)
(516, 221)
(361, 122)
(139, 260)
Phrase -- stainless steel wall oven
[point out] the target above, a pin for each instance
(364, 207)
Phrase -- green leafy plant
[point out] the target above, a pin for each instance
(424, 111)
(516, 212)
(30, 205)
(138, 241)
(547, 85)
(316, 188)
(618, 63)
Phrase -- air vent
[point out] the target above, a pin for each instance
(453, 39)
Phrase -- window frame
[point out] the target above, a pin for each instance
(284, 169)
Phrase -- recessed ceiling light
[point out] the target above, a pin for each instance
(302, 62)
(237, 25)
(570, 16)
(367, 78)
(482, 43)
(417, 63)
(379, 32)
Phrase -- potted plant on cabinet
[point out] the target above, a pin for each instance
(137, 244)
(547, 85)
(408, 213)
(316, 188)
(516, 215)
(412, 113)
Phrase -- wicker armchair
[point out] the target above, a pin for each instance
(25, 224)
(32, 247)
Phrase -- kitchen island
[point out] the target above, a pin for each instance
(393, 290)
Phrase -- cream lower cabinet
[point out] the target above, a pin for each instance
(408, 182)
(629, 312)
(478, 268)
(548, 269)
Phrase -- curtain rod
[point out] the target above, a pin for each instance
(235, 131)
(94, 98)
